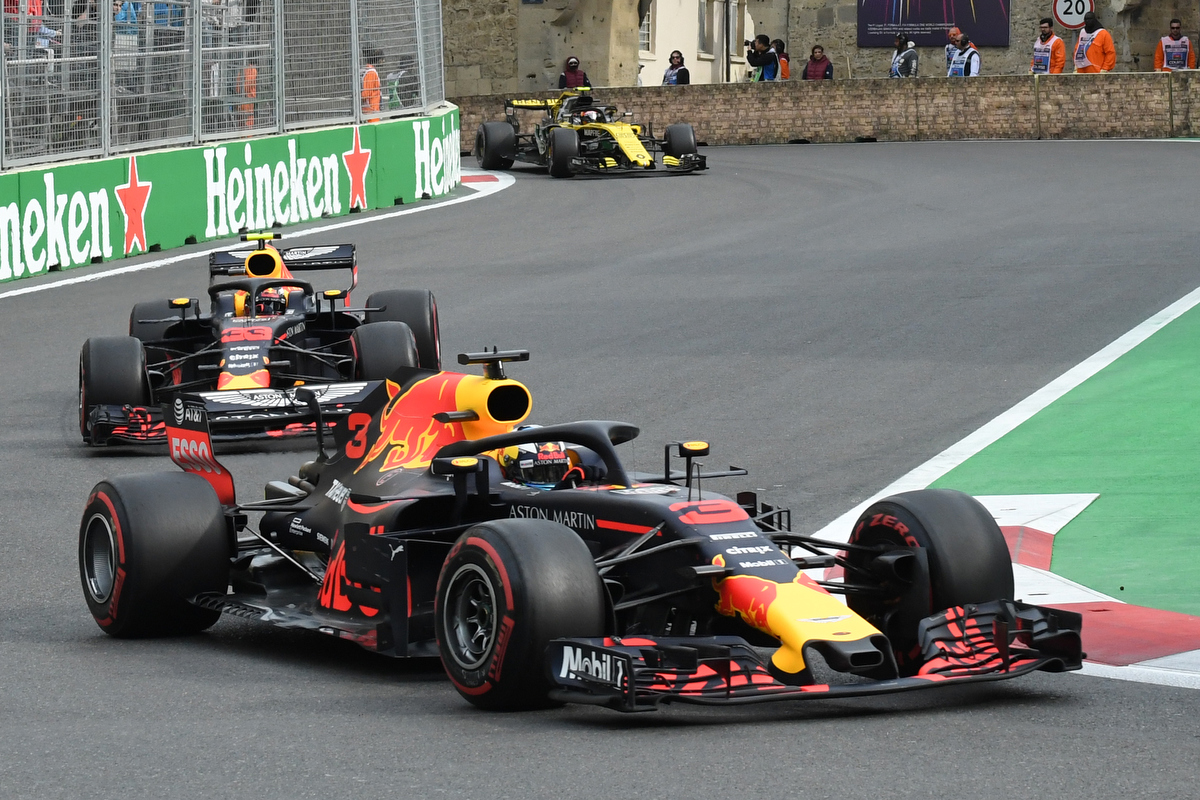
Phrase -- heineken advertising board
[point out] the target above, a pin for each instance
(75, 214)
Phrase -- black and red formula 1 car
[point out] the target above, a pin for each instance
(266, 332)
(540, 569)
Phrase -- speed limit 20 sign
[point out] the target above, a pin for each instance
(1069, 13)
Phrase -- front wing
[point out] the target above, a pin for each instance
(601, 165)
(232, 414)
(986, 642)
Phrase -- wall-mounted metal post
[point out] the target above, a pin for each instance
(278, 64)
(197, 71)
(355, 55)
(421, 53)
(1037, 102)
(1171, 105)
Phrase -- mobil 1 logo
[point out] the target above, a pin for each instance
(587, 667)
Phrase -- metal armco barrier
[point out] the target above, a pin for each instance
(73, 214)
(117, 77)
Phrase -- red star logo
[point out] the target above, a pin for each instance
(356, 162)
(132, 198)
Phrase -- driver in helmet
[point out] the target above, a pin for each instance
(591, 115)
(546, 465)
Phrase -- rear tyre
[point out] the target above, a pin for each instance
(507, 588)
(495, 145)
(381, 348)
(564, 146)
(417, 309)
(147, 544)
(968, 562)
(112, 371)
(679, 140)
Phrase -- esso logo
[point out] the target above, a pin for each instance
(256, 333)
(193, 455)
(1069, 13)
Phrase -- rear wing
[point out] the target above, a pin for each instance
(230, 263)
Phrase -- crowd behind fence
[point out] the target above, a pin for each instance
(84, 78)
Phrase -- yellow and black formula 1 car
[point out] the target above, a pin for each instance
(577, 134)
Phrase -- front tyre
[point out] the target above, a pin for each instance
(417, 309)
(112, 371)
(381, 348)
(495, 145)
(147, 545)
(679, 140)
(963, 559)
(564, 146)
(507, 588)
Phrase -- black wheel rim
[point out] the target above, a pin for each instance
(470, 616)
(99, 558)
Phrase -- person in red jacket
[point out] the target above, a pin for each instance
(1094, 51)
(1049, 52)
(572, 77)
(1174, 50)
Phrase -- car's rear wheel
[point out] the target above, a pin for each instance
(507, 588)
(679, 140)
(964, 560)
(417, 309)
(112, 371)
(147, 545)
(495, 145)
(381, 348)
(564, 146)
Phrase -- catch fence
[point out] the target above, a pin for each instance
(86, 78)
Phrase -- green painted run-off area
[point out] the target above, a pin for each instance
(1132, 434)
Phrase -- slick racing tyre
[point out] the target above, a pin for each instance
(381, 348)
(417, 309)
(148, 331)
(148, 544)
(963, 559)
(679, 140)
(507, 588)
(564, 146)
(495, 145)
(112, 371)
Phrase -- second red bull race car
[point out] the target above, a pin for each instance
(542, 570)
(265, 332)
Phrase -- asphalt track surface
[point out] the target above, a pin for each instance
(827, 316)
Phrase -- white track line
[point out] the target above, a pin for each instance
(503, 181)
(955, 454)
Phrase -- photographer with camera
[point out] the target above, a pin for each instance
(761, 55)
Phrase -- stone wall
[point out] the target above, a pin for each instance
(1119, 105)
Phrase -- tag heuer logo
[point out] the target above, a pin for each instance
(177, 407)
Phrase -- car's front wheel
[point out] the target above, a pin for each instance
(961, 558)
(147, 545)
(495, 145)
(564, 146)
(507, 588)
(112, 371)
(679, 140)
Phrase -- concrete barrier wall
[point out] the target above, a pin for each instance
(87, 212)
(1118, 105)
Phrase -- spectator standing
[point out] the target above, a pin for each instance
(965, 63)
(676, 74)
(818, 67)
(763, 58)
(1094, 51)
(904, 60)
(248, 88)
(372, 97)
(1174, 50)
(785, 61)
(1049, 52)
(951, 46)
(572, 77)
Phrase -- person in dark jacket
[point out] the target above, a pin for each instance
(676, 74)
(818, 67)
(763, 58)
(904, 60)
(572, 77)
